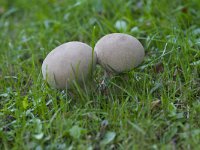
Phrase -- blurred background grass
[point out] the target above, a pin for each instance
(156, 106)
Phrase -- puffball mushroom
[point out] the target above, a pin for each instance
(118, 52)
(67, 63)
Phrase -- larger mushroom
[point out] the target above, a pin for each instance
(69, 62)
(119, 52)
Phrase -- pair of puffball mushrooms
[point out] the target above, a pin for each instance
(74, 61)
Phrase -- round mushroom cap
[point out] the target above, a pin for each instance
(69, 62)
(119, 52)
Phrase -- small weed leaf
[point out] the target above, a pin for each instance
(37, 125)
(108, 138)
(196, 63)
(38, 136)
(135, 30)
(172, 109)
(121, 25)
(196, 31)
(25, 102)
(4, 95)
(76, 132)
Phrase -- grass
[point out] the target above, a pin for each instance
(155, 106)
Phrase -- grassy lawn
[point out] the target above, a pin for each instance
(155, 106)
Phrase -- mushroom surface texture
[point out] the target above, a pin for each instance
(69, 62)
(118, 52)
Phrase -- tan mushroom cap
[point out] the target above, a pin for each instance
(72, 61)
(118, 52)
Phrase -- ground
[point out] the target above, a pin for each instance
(154, 106)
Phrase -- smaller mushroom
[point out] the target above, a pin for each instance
(69, 62)
(119, 52)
